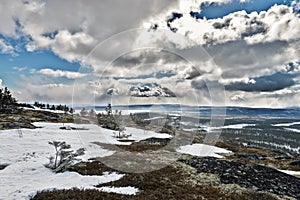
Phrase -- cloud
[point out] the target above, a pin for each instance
(6, 48)
(56, 93)
(60, 85)
(52, 93)
(237, 98)
(50, 24)
(60, 73)
(268, 83)
(150, 90)
(112, 91)
(277, 23)
(239, 60)
(142, 57)
(296, 6)
(248, 48)
(1, 82)
(20, 69)
(186, 6)
(70, 46)
(191, 73)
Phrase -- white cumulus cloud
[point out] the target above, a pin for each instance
(61, 73)
(277, 23)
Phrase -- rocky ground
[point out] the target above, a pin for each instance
(235, 176)
(252, 176)
(23, 118)
(270, 158)
(247, 173)
(176, 181)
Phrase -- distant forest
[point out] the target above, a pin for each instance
(64, 108)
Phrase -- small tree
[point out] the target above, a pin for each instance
(83, 112)
(92, 113)
(64, 157)
(110, 120)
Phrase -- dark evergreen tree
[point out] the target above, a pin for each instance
(108, 119)
(52, 107)
(6, 99)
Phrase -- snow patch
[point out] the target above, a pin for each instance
(23, 179)
(26, 156)
(238, 126)
(203, 150)
(290, 172)
(293, 130)
(46, 110)
(120, 190)
(287, 124)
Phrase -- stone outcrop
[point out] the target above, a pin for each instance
(21, 118)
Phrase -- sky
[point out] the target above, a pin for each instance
(199, 52)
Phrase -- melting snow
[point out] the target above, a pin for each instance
(47, 110)
(26, 156)
(121, 190)
(287, 124)
(291, 172)
(203, 150)
(238, 126)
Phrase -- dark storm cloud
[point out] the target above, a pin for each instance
(157, 75)
(140, 57)
(268, 83)
(205, 85)
(248, 59)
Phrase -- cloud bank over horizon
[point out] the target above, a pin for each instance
(253, 54)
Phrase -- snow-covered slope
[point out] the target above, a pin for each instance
(26, 153)
(26, 156)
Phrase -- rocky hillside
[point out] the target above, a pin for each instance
(16, 118)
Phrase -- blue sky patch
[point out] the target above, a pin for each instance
(213, 11)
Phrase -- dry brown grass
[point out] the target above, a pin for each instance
(77, 194)
(176, 181)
